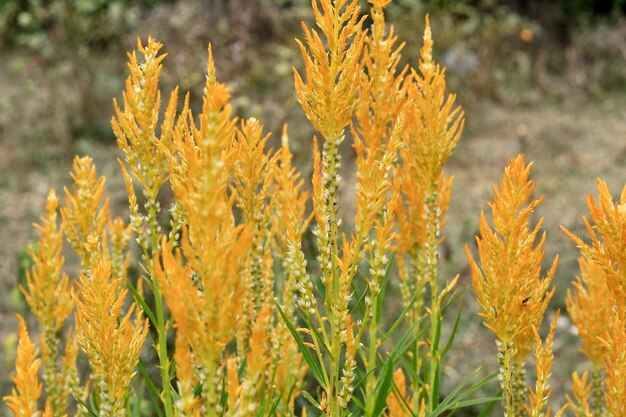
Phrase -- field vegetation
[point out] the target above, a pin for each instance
(208, 267)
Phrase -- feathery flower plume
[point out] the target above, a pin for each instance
(145, 143)
(84, 214)
(377, 137)
(204, 292)
(589, 306)
(544, 357)
(290, 224)
(607, 251)
(329, 100)
(581, 389)
(510, 290)
(332, 61)
(24, 396)
(49, 296)
(109, 337)
(135, 127)
(434, 124)
(253, 173)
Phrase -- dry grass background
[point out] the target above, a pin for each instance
(569, 120)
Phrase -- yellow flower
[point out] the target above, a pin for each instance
(332, 65)
(510, 290)
(398, 403)
(47, 289)
(108, 336)
(589, 306)
(84, 213)
(24, 396)
(581, 389)
(615, 365)
(434, 122)
(49, 296)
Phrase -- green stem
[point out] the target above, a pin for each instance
(519, 387)
(432, 258)
(164, 360)
(505, 359)
(597, 391)
(371, 364)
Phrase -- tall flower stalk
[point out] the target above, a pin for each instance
(135, 126)
(48, 294)
(601, 290)
(328, 96)
(509, 286)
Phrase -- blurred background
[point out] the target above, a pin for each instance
(546, 78)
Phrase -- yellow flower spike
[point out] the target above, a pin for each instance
(108, 336)
(27, 388)
(187, 404)
(332, 63)
(47, 289)
(348, 373)
(290, 224)
(434, 122)
(135, 125)
(203, 162)
(615, 364)
(607, 234)
(399, 404)
(434, 126)
(328, 96)
(581, 389)
(508, 285)
(253, 174)
(85, 213)
(49, 295)
(204, 295)
(607, 253)
(538, 398)
(377, 138)
(589, 306)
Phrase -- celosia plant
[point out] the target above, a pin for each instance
(601, 295)
(511, 293)
(243, 321)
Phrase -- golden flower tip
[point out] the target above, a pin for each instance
(508, 285)
(27, 388)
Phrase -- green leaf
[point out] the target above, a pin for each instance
(400, 319)
(383, 387)
(153, 391)
(142, 303)
(318, 336)
(383, 286)
(450, 341)
(90, 409)
(314, 365)
(312, 400)
(487, 410)
(456, 398)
